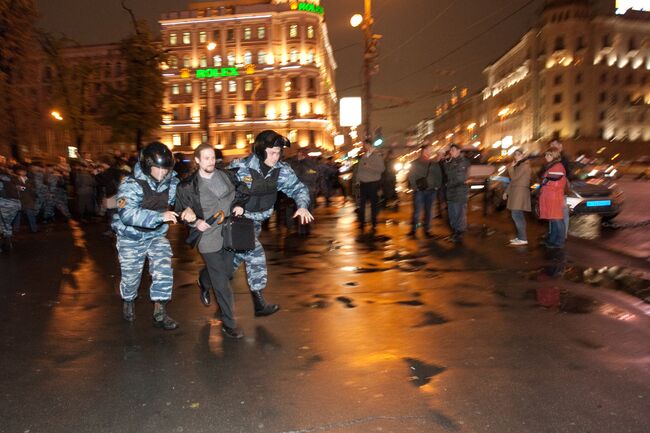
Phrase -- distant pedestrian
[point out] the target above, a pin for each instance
(28, 199)
(518, 195)
(369, 171)
(552, 199)
(425, 178)
(9, 208)
(456, 169)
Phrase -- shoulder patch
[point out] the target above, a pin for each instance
(121, 203)
(248, 179)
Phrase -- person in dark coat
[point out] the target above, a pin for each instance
(456, 171)
(28, 199)
(425, 177)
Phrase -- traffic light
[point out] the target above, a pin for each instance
(378, 139)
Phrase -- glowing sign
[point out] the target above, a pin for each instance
(216, 72)
(622, 6)
(350, 112)
(307, 7)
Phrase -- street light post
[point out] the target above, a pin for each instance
(369, 66)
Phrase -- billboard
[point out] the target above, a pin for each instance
(623, 6)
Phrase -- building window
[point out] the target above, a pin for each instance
(231, 59)
(232, 114)
(248, 33)
(188, 113)
(293, 135)
(250, 138)
(261, 57)
(203, 37)
(248, 85)
(230, 35)
(248, 58)
(607, 41)
(187, 38)
(557, 117)
(262, 110)
(293, 31)
(175, 113)
(176, 139)
(578, 97)
(176, 89)
(310, 57)
(204, 87)
(557, 98)
(218, 111)
(188, 88)
(557, 80)
(559, 43)
(310, 32)
(203, 62)
(216, 60)
(311, 84)
(294, 109)
(249, 111)
(293, 56)
(312, 137)
(218, 87)
(173, 62)
(602, 97)
(216, 35)
(173, 39)
(261, 32)
(232, 86)
(186, 61)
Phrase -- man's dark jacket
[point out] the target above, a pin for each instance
(456, 171)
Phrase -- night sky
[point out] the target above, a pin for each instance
(416, 33)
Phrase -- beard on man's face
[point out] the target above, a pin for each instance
(209, 168)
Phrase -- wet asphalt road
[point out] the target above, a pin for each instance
(375, 334)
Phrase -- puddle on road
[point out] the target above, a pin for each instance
(421, 373)
(411, 303)
(430, 318)
(346, 301)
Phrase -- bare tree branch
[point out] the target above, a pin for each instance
(133, 19)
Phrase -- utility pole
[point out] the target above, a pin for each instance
(369, 67)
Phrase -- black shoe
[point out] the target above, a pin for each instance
(232, 332)
(161, 319)
(261, 307)
(204, 293)
(128, 311)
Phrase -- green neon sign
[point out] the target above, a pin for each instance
(310, 7)
(217, 73)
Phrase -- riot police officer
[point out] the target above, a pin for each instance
(143, 202)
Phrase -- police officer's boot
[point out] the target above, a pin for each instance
(128, 311)
(261, 307)
(160, 317)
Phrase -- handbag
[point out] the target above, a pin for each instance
(238, 234)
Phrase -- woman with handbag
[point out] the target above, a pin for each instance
(205, 199)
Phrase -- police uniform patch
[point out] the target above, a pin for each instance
(121, 203)
(248, 179)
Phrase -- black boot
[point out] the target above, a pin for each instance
(128, 311)
(232, 332)
(204, 293)
(261, 307)
(160, 317)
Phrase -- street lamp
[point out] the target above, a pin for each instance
(369, 56)
(56, 115)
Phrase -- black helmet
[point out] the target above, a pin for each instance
(155, 154)
(266, 140)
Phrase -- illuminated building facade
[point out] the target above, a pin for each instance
(577, 76)
(237, 67)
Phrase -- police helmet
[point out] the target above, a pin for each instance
(267, 140)
(155, 154)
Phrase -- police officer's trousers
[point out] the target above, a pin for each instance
(255, 263)
(132, 254)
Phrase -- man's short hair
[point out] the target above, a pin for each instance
(454, 146)
(201, 148)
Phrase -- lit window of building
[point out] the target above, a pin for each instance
(176, 89)
(204, 87)
(261, 32)
(248, 34)
(293, 56)
(187, 38)
(250, 138)
(218, 86)
(230, 35)
(248, 85)
(216, 60)
(176, 139)
(186, 61)
(310, 57)
(249, 111)
(293, 135)
(173, 62)
(203, 62)
(248, 58)
(293, 31)
(188, 88)
(232, 86)
(173, 39)
(310, 32)
(231, 59)
(261, 57)
(203, 37)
